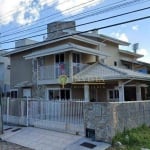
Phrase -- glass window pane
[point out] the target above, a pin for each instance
(57, 58)
(74, 57)
(78, 58)
(111, 94)
(61, 58)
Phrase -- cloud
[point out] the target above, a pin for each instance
(146, 54)
(135, 27)
(120, 36)
(75, 5)
(27, 11)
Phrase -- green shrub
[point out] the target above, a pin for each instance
(134, 138)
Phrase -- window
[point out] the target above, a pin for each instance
(59, 94)
(59, 58)
(76, 58)
(76, 63)
(60, 66)
(115, 63)
(14, 93)
(113, 94)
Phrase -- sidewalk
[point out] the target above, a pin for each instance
(40, 139)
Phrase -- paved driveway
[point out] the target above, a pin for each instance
(41, 139)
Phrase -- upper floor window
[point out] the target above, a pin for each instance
(59, 58)
(115, 63)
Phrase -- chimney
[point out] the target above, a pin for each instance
(55, 29)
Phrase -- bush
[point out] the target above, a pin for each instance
(136, 138)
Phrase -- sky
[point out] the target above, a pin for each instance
(26, 18)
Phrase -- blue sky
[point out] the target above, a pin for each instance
(19, 15)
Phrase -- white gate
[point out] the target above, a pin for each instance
(66, 116)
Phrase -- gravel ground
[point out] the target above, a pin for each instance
(10, 146)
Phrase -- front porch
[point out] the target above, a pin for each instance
(112, 91)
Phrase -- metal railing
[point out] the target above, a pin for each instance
(54, 71)
(66, 116)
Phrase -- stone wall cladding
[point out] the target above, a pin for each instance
(109, 118)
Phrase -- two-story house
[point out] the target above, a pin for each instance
(92, 64)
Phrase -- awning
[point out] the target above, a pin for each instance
(101, 72)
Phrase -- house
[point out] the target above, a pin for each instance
(92, 66)
(4, 74)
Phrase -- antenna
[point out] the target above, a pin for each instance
(135, 47)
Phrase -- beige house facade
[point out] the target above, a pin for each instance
(92, 65)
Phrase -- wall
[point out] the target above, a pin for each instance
(112, 51)
(109, 118)
(21, 69)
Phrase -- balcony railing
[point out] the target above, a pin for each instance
(51, 72)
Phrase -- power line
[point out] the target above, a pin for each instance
(58, 13)
(124, 4)
(100, 28)
(91, 22)
(102, 11)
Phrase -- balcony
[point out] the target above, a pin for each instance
(52, 72)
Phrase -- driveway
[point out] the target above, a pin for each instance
(40, 139)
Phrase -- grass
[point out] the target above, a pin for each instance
(134, 139)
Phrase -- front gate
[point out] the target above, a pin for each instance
(64, 116)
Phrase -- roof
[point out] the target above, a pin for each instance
(63, 48)
(23, 84)
(131, 53)
(101, 36)
(43, 43)
(103, 72)
(114, 40)
(71, 34)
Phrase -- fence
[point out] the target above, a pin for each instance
(66, 116)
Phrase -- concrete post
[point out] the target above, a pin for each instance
(138, 92)
(86, 93)
(121, 92)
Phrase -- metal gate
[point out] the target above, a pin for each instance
(64, 116)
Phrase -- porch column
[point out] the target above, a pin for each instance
(121, 92)
(86, 93)
(70, 66)
(138, 92)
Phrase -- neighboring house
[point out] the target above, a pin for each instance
(4, 74)
(95, 67)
